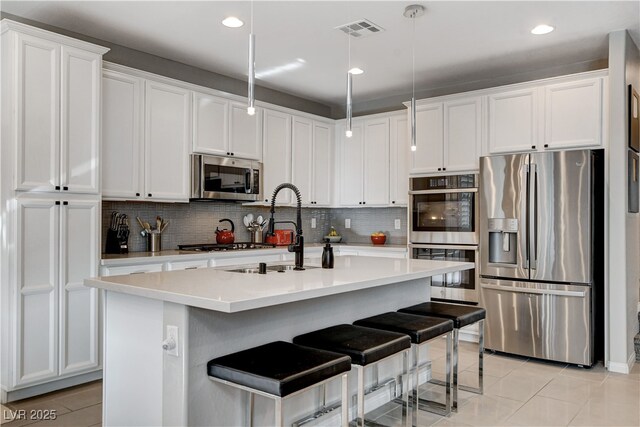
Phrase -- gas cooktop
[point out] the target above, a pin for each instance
(214, 247)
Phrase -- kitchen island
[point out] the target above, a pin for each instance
(216, 312)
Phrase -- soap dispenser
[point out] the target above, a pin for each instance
(327, 256)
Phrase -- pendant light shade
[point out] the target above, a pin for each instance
(348, 131)
(251, 108)
(413, 11)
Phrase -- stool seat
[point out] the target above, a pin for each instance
(462, 315)
(419, 328)
(363, 345)
(278, 368)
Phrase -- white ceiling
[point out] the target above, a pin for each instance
(456, 41)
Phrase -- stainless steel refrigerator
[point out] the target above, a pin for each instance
(541, 262)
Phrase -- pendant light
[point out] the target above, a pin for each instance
(413, 11)
(348, 132)
(251, 109)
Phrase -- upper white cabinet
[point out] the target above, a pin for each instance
(245, 132)
(57, 119)
(223, 127)
(567, 114)
(146, 137)
(364, 160)
(312, 156)
(448, 136)
(399, 147)
(277, 155)
(167, 138)
(122, 137)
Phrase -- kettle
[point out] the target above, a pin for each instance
(225, 237)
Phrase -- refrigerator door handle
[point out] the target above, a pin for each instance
(526, 212)
(580, 294)
(533, 217)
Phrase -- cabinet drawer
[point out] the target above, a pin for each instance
(187, 265)
(131, 269)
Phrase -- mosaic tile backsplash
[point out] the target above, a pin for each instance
(196, 222)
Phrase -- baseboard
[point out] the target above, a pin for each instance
(622, 368)
(3, 396)
(36, 390)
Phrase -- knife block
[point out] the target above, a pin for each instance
(115, 245)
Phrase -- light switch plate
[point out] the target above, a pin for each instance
(313, 223)
(347, 223)
(396, 224)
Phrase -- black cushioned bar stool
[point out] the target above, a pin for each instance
(421, 330)
(279, 370)
(461, 315)
(366, 347)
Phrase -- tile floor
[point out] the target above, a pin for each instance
(518, 392)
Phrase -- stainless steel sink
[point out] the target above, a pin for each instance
(279, 268)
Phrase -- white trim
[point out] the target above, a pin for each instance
(8, 24)
(50, 386)
(623, 368)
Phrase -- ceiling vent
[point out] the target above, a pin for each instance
(360, 28)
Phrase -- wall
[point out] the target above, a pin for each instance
(624, 237)
(195, 222)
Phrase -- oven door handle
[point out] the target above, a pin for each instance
(426, 246)
(445, 191)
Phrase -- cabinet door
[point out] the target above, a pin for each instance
(245, 139)
(277, 155)
(513, 121)
(80, 120)
(122, 147)
(322, 171)
(429, 139)
(167, 130)
(400, 147)
(210, 124)
(36, 321)
(573, 114)
(79, 257)
(376, 162)
(462, 134)
(37, 114)
(352, 166)
(303, 158)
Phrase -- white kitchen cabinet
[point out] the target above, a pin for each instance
(277, 155)
(448, 136)
(312, 161)
(167, 140)
(364, 163)
(56, 319)
(130, 269)
(400, 148)
(210, 124)
(245, 132)
(513, 120)
(186, 265)
(57, 95)
(573, 114)
(122, 138)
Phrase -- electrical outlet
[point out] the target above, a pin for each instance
(347, 223)
(313, 223)
(396, 224)
(170, 344)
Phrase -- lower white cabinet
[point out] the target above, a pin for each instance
(56, 320)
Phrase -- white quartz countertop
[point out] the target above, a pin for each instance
(230, 292)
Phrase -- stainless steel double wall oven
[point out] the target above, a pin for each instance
(444, 226)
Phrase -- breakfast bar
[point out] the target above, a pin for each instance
(162, 328)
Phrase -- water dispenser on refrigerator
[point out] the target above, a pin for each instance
(503, 240)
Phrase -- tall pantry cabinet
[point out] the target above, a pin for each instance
(50, 210)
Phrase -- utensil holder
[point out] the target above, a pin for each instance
(256, 236)
(154, 242)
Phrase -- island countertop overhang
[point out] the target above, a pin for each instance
(230, 292)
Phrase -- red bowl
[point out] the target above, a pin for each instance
(378, 240)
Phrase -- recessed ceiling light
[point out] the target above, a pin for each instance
(542, 29)
(232, 22)
(356, 71)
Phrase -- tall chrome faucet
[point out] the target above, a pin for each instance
(298, 246)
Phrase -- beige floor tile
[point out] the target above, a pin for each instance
(428, 419)
(517, 386)
(470, 378)
(435, 392)
(83, 398)
(485, 411)
(450, 423)
(598, 413)
(498, 366)
(544, 411)
(617, 390)
(596, 373)
(82, 418)
(569, 389)
(546, 369)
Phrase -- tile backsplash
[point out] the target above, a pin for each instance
(196, 222)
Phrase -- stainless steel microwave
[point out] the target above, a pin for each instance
(224, 178)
